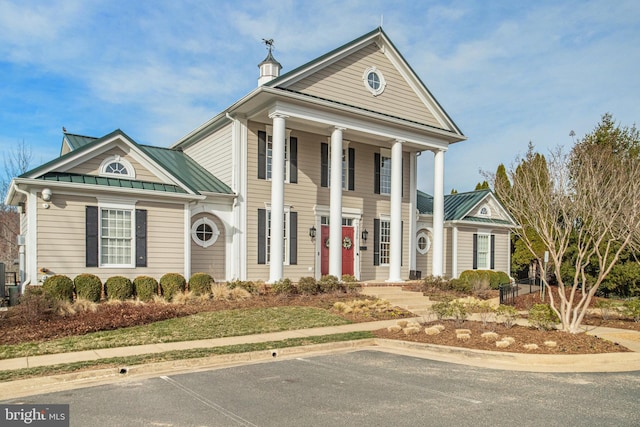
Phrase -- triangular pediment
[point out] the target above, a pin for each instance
(341, 76)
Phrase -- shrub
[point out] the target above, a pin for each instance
(543, 317)
(60, 287)
(34, 304)
(88, 286)
(308, 286)
(460, 285)
(248, 286)
(502, 279)
(349, 278)
(441, 309)
(171, 284)
(507, 314)
(434, 282)
(145, 287)
(484, 310)
(459, 311)
(118, 288)
(200, 283)
(329, 283)
(283, 287)
(631, 309)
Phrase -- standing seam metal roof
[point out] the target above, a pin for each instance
(456, 206)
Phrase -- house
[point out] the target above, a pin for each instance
(312, 173)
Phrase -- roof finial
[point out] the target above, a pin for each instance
(64, 129)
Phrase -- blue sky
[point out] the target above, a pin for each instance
(507, 72)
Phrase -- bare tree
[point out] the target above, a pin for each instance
(586, 200)
(16, 162)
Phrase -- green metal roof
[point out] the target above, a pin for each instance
(111, 182)
(175, 162)
(77, 141)
(191, 173)
(456, 206)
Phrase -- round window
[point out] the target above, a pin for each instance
(204, 232)
(423, 243)
(374, 81)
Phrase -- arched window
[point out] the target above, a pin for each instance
(204, 232)
(117, 166)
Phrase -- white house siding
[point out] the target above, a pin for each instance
(342, 82)
(308, 193)
(503, 249)
(61, 238)
(214, 153)
(209, 260)
(92, 166)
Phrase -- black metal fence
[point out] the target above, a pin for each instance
(508, 294)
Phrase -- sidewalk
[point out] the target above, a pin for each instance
(627, 338)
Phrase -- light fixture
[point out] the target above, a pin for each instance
(365, 234)
(46, 194)
(312, 232)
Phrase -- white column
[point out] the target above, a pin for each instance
(335, 209)
(276, 259)
(413, 209)
(395, 247)
(187, 240)
(438, 214)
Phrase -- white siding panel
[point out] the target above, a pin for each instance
(215, 154)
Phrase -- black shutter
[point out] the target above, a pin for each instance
(493, 252)
(91, 235)
(376, 241)
(293, 160)
(475, 251)
(262, 236)
(352, 169)
(262, 154)
(293, 238)
(324, 164)
(376, 183)
(141, 238)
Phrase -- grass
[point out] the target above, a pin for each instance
(206, 325)
(176, 355)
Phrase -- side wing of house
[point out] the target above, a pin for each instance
(108, 207)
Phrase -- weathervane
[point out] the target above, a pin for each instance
(268, 43)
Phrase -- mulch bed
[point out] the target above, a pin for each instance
(566, 343)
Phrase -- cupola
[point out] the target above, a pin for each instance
(269, 68)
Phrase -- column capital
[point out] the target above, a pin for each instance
(340, 128)
(401, 141)
(278, 115)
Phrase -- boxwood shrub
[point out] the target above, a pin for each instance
(118, 287)
(329, 283)
(247, 285)
(88, 286)
(308, 286)
(200, 283)
(145, 287)
(283, 287)
(171, 284)
(59, 287)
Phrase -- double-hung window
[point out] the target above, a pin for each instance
(116, 237)
(483, 251)
(385, 241)
(265, 157)
(290, 236)
(348, 167)
(285, 227)
(382, 167)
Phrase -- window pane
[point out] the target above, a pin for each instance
(385, 175)
(115, 236)
(385, 241)
(483, 252)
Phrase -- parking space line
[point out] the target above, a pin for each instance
(233, 416)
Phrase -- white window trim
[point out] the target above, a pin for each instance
(424, 234)
(287, 154)
(122, 206)
(385, 154)
(384, 218)
(365, 80)
(116, 158)
(214, 228)
(488, 256)
(287, 232)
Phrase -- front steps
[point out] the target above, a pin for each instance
(415, 302)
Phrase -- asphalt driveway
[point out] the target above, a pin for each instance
(363, 388)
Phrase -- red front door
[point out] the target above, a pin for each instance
(348, 250)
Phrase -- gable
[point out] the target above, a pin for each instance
(342, 81)
(93, 166)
